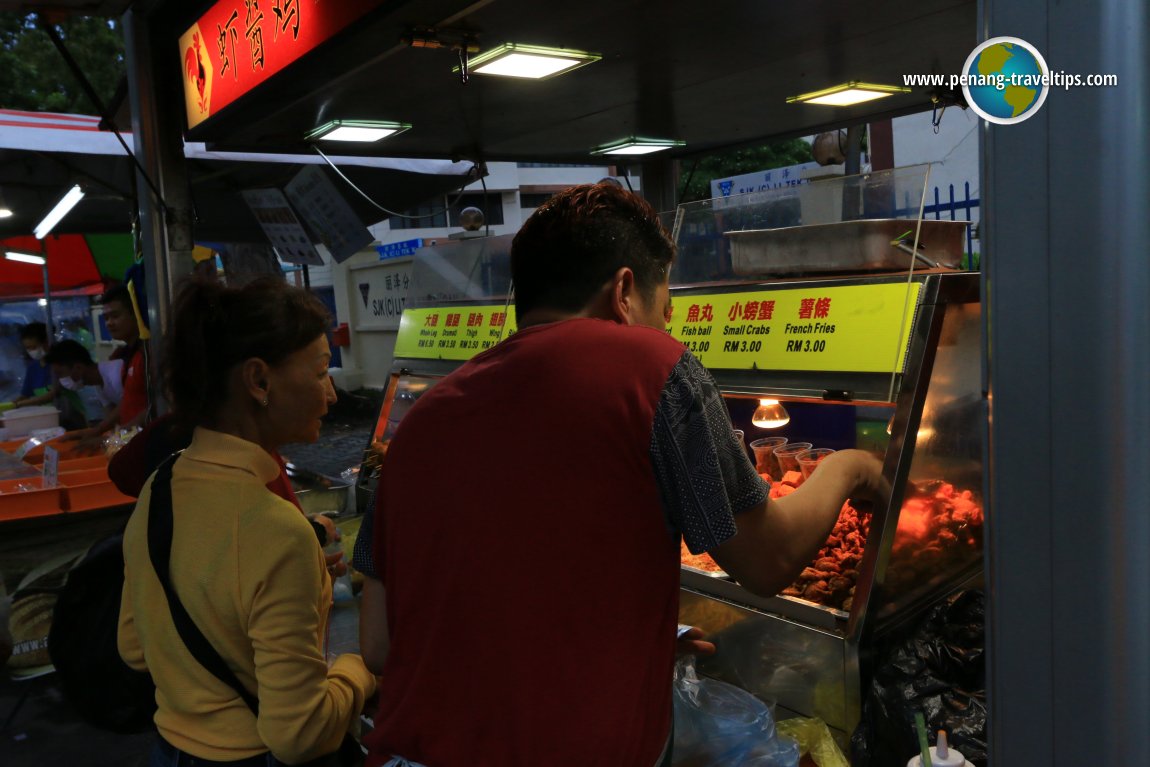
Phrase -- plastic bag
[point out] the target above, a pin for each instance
(937, 667)
(814, 738)
(720, 725)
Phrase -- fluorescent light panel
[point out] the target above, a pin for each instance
(532, 62)
(67, 202)
(637, 146)
(848, 94)
(26, 258)
(356, 130)
(5, 212)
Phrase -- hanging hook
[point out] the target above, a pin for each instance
(936, 116)
(464, 74)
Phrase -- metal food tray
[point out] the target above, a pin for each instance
(882, 244)
(705, 573)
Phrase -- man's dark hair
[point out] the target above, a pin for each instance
(118, 294)
(67, 352)
(37, 331)
(578, 239)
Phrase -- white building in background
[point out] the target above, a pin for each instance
(952, 153)
(370, 287)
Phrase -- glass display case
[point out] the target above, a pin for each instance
(871, 341)
(839, 305)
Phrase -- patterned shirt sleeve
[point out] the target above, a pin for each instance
(361, 556)
(702, 468)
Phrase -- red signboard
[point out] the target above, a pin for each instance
(239, 44)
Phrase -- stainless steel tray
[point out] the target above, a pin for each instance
(705, 573)
(883, 244)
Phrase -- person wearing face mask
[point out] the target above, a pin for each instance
(97, 386)
(37, 387)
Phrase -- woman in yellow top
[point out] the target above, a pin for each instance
(248, 368)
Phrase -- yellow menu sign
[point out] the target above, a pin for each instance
(452, 333)
(853, 328)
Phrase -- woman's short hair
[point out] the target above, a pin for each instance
(573, 243)
(215, 327)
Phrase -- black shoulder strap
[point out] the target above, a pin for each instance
(160, 527)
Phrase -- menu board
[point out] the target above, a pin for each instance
(281, 226)
(853, 328)
(456, 333)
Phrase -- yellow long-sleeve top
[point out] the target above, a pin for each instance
(247, 567)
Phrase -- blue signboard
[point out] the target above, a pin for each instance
(398, 249)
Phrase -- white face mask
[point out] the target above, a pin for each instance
(70, 383)
(36, 354)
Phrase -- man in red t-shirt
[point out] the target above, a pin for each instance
(531, 506)
(120, 319)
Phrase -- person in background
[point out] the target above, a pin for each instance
(247, 367)
(592, 441)
(120, 319)
(97, 386)
(37, 388)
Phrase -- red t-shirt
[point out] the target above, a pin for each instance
(135, 380)
(532, 580)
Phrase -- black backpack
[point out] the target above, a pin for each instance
(82, 644)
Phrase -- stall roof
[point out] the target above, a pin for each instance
(43, 154)
(712, 75)
(709, 75)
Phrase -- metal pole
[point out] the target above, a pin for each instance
(47, 299)
(1067, 323)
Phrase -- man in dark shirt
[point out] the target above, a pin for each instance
(530, 567)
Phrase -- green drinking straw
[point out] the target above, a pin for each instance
(923, 746)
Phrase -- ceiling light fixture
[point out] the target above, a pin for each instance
(356, 130)
(25, 257)
(62, 208)
(5, 211)
(532, 62)
(635, 145)
(848, 94)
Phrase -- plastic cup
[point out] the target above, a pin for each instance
(764, 449)
(809, 459)
(787, 456)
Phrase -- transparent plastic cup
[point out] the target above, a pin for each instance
(741, 437)
(787, 456)
(809, 459)
(764, 449)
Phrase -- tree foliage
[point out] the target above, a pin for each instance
(697, 176)
(35, 76)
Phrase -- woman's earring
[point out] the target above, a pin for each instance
(265, 402)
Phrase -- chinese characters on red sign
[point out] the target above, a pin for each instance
(217, 69)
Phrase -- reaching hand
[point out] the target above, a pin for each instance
(692, 643)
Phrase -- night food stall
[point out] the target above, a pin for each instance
(871, 346)
(1056, 594)
(863, 334)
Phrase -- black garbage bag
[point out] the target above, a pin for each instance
(937, 667)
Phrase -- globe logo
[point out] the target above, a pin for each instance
(1005, 80)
